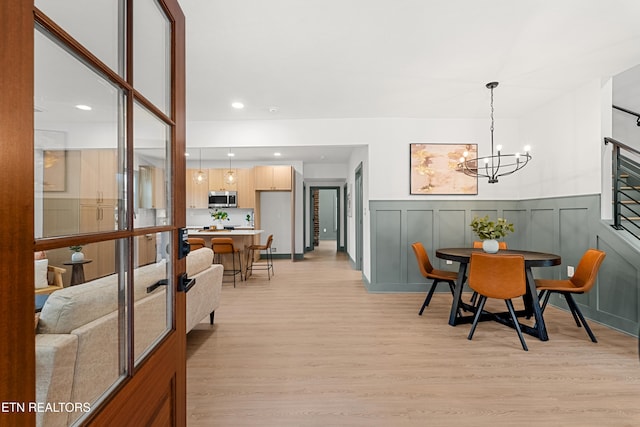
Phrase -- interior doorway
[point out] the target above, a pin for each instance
(325, 218)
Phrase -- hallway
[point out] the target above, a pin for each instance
(311, 347)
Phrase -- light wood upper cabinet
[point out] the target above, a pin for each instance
(159, 189)
(98, 176)
(197, 194)
(273, 178)
(246, 189)
(217, 180)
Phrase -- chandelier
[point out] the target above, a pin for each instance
(497, 164)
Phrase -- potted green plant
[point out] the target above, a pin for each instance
(489, 231)
(219, 216)
(248, 218)
(77, 254)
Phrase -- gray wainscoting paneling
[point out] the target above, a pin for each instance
(567, 226)
(388, 252)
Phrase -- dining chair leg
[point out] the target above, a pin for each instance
(515, 323)
(574, 309)
(427, 300)
(476, 318)
(473, 299)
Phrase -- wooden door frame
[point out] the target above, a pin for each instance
(139, 398)
(17, 334)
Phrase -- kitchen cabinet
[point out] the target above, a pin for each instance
(97, 218)
(246, 189)
(197, 194)
(98, 176)
(98, 205)
(273, 178)
(151, 188)
(146, 249)
(217, 180)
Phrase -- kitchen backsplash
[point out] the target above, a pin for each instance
(202, 217)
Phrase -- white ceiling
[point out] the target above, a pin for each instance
(398, 58)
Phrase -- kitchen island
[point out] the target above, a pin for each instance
(242, 238)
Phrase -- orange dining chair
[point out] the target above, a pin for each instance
(582, 281)
(223, 246)
(478, 244)
(196, 243)
(500, 277)
(429, 272)
(268, 256)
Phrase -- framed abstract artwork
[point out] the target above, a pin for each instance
(434, 169)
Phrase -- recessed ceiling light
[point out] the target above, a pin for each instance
(187, 154)
(277, 154)
(231, 154)
(273, 109)
(237, 105)
(83, 107)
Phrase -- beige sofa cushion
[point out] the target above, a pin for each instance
(72, 307)
(199, 260)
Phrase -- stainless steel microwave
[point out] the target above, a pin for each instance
(223, 199)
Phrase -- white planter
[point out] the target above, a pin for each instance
(490, 246)
(77, 256)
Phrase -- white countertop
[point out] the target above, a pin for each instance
(225, 232)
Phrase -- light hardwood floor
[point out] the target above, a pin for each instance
(312, 348)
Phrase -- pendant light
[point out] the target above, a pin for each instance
(230, 177)
(497, 164)
(200, 176)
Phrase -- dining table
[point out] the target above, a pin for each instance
(531, 301)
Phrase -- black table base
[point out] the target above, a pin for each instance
(532, 259)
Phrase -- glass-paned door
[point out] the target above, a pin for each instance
(104, 226)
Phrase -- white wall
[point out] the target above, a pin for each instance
(387, 140)
(567, 137)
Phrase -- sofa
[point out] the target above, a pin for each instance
(77, 350)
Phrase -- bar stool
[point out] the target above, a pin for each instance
(196, 243)
(224, 245)
(268, 264)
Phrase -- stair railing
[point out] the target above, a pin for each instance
(626, 187)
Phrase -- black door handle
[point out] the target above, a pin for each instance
(163, 282)
(186, 283)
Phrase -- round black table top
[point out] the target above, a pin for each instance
(531, 259)
(82, 261)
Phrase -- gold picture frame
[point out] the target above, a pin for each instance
(434, 169)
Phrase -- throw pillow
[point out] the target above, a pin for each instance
(41, 273)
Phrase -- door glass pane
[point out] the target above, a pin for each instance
(79, 145)
(151, 285)
(97, 24)
(80, 329)
(152, 143)
(151, 53)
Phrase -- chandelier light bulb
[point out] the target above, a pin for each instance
(527, 148)
(499, 147)
(465, 154)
